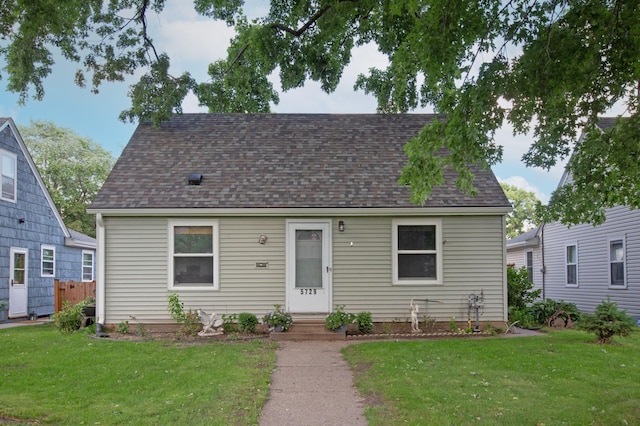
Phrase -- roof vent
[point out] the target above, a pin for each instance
(195, 179)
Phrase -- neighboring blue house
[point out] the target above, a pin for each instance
(35, 245)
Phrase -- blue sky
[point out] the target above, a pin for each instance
(193, 42)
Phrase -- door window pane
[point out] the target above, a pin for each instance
(309, 258)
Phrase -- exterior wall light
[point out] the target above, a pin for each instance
(341, 225)
(262, 239)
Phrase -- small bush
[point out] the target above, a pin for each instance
(519, 288)
(543, 310)
(364, 322)
(176, 308)
(69, 319)
(191, 324)
(523, 318)
(230, 323)
(608, 321)
(247, 322)
(123, 327)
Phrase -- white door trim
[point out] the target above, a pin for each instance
(302, 300)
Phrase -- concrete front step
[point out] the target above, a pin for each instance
(308, 330)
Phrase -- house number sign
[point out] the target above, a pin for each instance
(308, 291)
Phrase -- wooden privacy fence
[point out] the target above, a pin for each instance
(73, 291)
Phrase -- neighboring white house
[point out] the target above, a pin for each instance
(239, 212)
(585, 264)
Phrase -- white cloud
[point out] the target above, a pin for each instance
(522, 183)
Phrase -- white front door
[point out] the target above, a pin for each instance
(309, 266)
(18, 264)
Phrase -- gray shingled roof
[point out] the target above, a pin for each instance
(277, 161)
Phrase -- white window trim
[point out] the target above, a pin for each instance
(93, 268)
(216, 256)
(42, 249)
(15, 180)
(566, 263)
(624, 261)
(438, 251)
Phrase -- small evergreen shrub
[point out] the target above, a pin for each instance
(608, 321)
(364, 322)
(247, 322)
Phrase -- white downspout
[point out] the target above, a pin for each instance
(100, 278)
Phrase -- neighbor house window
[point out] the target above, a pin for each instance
(193, 254)
(87, 266)
(417, 251)
(48, 259)
(617, 275)
(529, 264)
(571, 264)
(8, 174)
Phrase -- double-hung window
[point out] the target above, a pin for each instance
(617, 273)
(193, 252)
(417, 251)
(87, 265)
(529, 264)
(48, 259)
(571, 264)
(8, 176)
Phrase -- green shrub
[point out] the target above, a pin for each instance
(523, 318)
(338, 318)
(608, 321)
(191, 324)
(247, 322)
(519, 288)
(69, 319)
(229, 323)
(278, 317)
(543, 310)
(123, 327)
(364, 322)
(176, 308)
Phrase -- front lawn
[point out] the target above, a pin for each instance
(561, 378)
(52, 378)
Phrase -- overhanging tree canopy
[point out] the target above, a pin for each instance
(549, 66)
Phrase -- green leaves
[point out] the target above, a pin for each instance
(73, 169)
(553, 67)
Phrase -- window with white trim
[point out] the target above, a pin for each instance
(87, 266)
(193, 257)
(571, 265)
(8, 176)
(48, 261)
(528, 259)
(617, 270)
(417, 251)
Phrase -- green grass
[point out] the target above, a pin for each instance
(561, 378)
(51, 378)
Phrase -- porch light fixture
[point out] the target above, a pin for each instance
(262, 239)
(195, 179)
(341, 225)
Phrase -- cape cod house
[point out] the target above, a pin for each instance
(240, 212)
(35, 245)
(585, 264)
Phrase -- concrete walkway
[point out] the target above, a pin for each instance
(312, 385)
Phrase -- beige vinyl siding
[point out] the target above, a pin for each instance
(473, 249)
(593, 261)
(137, 255)
(136, 269)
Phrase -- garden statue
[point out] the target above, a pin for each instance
(414, 317)
(211, 324)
